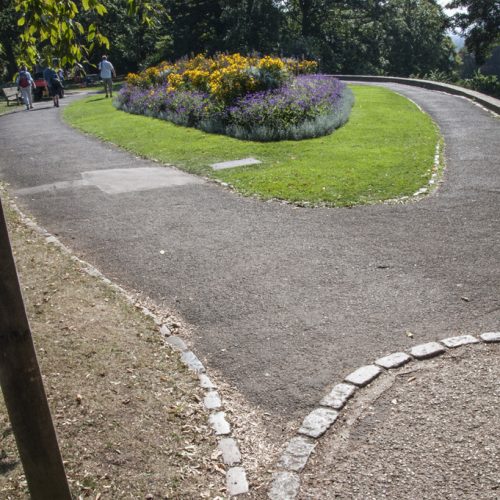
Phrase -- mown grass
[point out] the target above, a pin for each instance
(385, 151)
(4, 108)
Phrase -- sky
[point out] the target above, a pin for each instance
(448, 11)
(457, 39)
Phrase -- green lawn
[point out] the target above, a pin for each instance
(385, 151)
(5, 109)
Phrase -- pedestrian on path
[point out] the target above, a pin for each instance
(25, 83)
(107, 72)
(54, 84)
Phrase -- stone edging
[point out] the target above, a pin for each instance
(285, 484)
(236, 480)
(491, 103)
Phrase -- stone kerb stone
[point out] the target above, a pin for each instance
(284, 486)
(318, 422)
(338, 396)
(490, 337)
(428, 350)
(236, 481)
(394, 360)
(296, 454)
(452, 342)
(364, 375)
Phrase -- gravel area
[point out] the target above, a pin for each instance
(429, 430)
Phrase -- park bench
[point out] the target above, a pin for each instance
(11, 94)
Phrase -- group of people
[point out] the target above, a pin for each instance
(54, 78)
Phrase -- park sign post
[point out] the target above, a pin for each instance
(22, 387)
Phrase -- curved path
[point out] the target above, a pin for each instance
(283, 300)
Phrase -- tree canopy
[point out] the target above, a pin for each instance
(400, 37)
(479, 21)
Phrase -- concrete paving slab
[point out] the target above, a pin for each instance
(126, 180)
(235, 163)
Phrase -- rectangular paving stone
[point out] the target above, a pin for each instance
(428, 350)
(393, 360)
(284, 486)
(165, 331)
(212, 400)
(126, 180)
(230, 453)
(236, 481)
(318, 422)
(296, 454)
(176, 343)
(364, 375)
(338, 396)
(460, 340)
(205, 382)
(219, 423)
(235, 163)
(192, 362)
(490, 336)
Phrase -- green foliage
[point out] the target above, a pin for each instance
(479, 21)
(418, 40)
(9, 34)
(437, 76)
(488, 84)
(396, 37)
(399, 37)
(53, 23)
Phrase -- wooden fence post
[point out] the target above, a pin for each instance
(22, 387)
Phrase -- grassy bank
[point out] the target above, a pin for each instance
(385, 151)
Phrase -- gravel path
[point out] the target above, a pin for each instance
(282, 300)
(430, 431)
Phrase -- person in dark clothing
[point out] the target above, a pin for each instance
(53, 83)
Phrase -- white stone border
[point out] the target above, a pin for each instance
(285, 484)
(236, 480)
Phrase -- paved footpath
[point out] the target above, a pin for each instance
(283, 300)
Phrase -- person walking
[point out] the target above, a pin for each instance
(25, 83)
(53, 83)
(107, 72)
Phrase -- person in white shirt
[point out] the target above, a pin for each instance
(25, 83)
(107, 72)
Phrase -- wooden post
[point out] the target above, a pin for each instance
(22, 387)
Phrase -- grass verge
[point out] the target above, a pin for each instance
(4, 108)
(385, 151)
(126, 410)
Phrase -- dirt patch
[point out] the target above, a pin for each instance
(128, 414)
(430, 430)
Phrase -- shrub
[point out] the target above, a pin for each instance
(245, 97)
(307, 107)
(488, 84)
(226, 76)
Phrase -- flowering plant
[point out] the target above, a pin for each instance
(247, 97)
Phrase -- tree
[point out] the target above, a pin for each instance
(416, 38)
(135, 44)
(196, 26)
(54, 24)
(250, 26)
(9, 34)
(479, 21)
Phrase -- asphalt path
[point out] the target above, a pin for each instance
(284, 301)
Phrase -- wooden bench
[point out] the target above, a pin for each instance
(11, 95)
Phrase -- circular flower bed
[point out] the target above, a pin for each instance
(264, 99)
